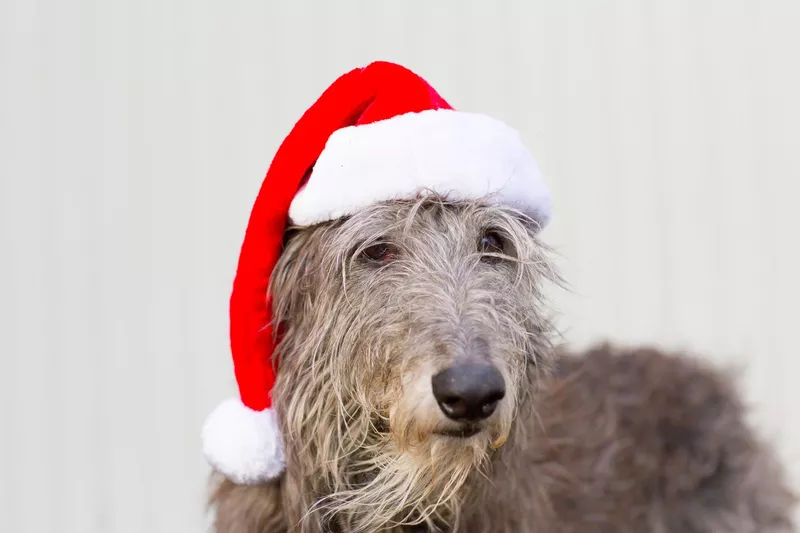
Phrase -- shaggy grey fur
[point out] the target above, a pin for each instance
(609, 441)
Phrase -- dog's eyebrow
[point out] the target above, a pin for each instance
(530, 224)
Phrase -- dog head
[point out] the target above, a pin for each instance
(411, 337)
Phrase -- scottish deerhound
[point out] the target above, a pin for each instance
(419, 390)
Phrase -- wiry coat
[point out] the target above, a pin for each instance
(612, 440)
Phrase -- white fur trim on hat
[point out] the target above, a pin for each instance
(243, 444)
(459, 155)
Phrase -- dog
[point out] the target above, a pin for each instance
(420, 388)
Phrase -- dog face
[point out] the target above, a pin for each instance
(412, 333)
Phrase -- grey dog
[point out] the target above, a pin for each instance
(420, 390)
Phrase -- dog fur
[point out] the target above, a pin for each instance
(611, 440)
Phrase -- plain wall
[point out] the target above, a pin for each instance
(134, 136)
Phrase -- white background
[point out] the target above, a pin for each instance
(134, 136)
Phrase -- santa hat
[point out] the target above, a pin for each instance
(377, 133)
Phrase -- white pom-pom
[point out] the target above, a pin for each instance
(243, 444)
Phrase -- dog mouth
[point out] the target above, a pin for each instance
(461, 432)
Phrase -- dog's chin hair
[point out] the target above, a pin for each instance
(410, 475)
(424, 476)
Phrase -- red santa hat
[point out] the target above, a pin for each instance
(377, 133)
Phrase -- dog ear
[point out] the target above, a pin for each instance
(289, 281)
(246, 508)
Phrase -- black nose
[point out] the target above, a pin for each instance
(468, 391)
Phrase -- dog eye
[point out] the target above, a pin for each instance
(491, 242)
(380, 252)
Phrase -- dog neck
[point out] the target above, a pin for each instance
(421, 528)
